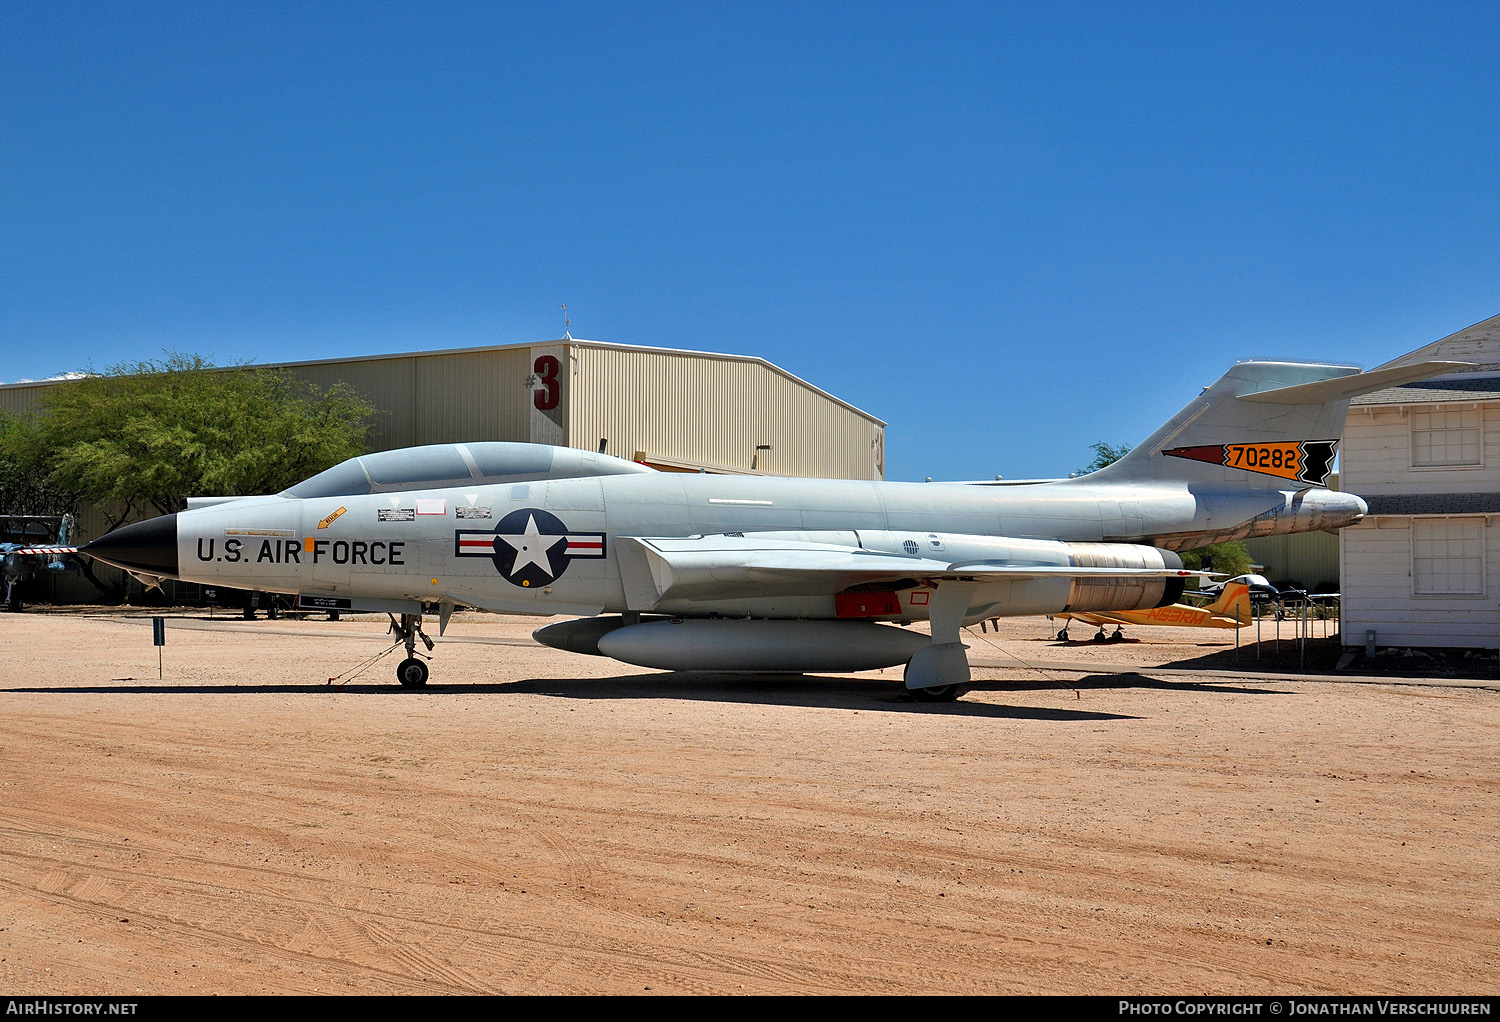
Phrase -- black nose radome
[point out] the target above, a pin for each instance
(149, 547)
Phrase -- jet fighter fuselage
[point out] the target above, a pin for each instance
(624, 543)
(761, 573)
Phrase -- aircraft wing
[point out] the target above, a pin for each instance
(737, 567)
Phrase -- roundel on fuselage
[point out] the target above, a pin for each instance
(529, 547)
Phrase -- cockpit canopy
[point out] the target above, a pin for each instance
(439, 465)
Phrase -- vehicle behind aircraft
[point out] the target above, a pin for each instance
(29, 544)
(1230, 609)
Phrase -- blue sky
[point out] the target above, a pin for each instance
(1010, 230)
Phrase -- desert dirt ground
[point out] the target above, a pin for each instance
(1092, 819)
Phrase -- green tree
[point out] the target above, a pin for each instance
(1104, 454)
(26, 487)
(145, 435)
(1227, 558)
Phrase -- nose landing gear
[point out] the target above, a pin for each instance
(411, 672)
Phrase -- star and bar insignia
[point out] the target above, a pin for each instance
(529, 547)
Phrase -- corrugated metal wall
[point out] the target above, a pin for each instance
(698, 409)
(473, 396)
(438, 398)
(20, 399)
(1311, 559)
(387, 383)
(715, 411)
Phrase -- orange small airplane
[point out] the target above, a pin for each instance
(1230, 610)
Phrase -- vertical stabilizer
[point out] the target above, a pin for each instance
(1262, 426)
(1233, 603)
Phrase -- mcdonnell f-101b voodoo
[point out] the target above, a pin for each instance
(754, 573)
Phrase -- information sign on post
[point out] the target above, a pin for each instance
(158, 639)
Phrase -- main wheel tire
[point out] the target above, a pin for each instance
(1062, 636)
(412, 673)
(938, 693)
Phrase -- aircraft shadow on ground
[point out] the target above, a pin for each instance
(748, 689)
(1318, 656)
(789, 690)
(1128, 679)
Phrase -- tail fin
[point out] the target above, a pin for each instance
(1233, 602)
(1264, 425)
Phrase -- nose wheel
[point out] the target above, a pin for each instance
(412, 672)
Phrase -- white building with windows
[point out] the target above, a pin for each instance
(1423, 568)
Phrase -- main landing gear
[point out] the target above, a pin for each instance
(938, 693)
(938, 673)
(1099, 636)
(411, 672)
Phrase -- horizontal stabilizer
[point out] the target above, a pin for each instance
(1343, 388)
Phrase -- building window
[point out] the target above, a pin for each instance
(1447, 557)
(1447, 437)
